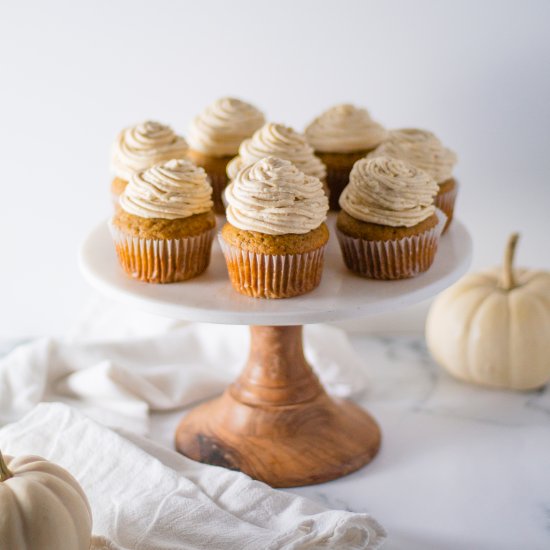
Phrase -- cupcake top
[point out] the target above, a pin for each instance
(141, 146)
(272, 196)
(344, 129)
(171, 190)
(281, 142)
(221, 127)
(388, 191)
(421, 148)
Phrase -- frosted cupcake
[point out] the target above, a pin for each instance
(388, 227)
(139, 147)
(164, 227)
(425, 151)
(275, 236)
(341, 136)
(278, 141)
(215, 136)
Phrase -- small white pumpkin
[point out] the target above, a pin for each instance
(493, 328)
(42, 507)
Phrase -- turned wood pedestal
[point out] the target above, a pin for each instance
(276, 422)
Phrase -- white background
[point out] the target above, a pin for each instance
(74, 73)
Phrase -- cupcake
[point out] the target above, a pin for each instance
(341, 136)
(425, 151)
(164, 227)
(388, 227)
(215, 136)
(140, 147)
(278, 141)
(275, 236)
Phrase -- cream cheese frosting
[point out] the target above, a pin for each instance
(272, 196)
(141, 146)
(344, 129)
(421, 148)
(389, 191)
(171, 190)
(222, 126)
(282, 142)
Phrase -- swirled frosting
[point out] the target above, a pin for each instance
(421, 148)
(272, 196)
(344, 129)
(281, 142)
(175, 189)
(388, 191)
(139, 147)
(222, 126)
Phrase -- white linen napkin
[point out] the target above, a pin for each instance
(120, 365)
(146, 497)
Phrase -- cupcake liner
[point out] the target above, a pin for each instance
(395, 259)
(446, 202)
(162, 260)
(272, 276)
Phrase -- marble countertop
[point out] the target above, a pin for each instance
(460, 467)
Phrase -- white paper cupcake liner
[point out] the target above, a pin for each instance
(446, 202)
(273, 276)
(394, 259)
(163, 260)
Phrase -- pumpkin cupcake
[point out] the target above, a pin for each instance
(275, 236)
(139, 147)
(215, 136)
(164, 227)
(341, 136)
(388, 227)
(425, 151)
(278, 141)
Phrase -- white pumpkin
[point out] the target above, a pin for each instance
(493, 328)
(42, 507)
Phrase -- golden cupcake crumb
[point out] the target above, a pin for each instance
(374, 232)
(159, 228)
(262, 243)
(118, 185)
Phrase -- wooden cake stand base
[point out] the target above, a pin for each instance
(276, 423)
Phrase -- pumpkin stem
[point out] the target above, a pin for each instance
(5, 473)
(508, 281)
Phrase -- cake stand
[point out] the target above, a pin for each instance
(276, 422)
